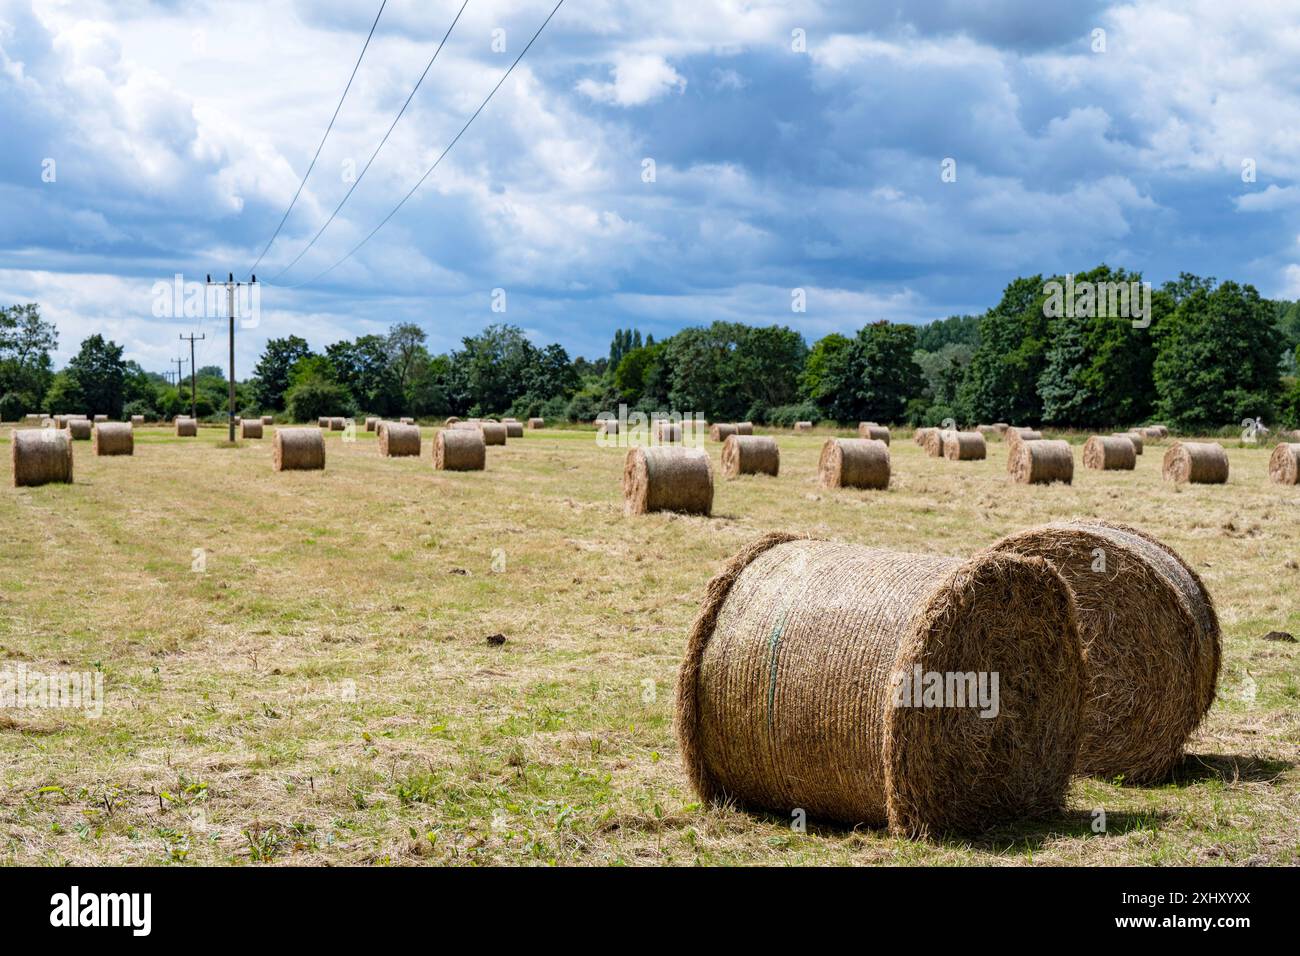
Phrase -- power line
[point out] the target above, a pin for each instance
(357, 181)
(441, 156)
(294, 201)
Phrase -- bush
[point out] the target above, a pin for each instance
(758, 413)
(1289, 407)
(140, 407)
(313, 399)
(784, 416)
(586, 405)
(13, 407)
(935, 415)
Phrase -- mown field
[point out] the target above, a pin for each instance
(322, 688)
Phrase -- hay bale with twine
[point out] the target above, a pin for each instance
(667, 478)
(514, 429)
(536, 423)
(721, 432)
(934, 441)
(803, 426)
(1284, 464)
(459, 449)
(1136, 438)
(494, 433)
(250, 428)
(1151, 643)
(750, 455)
(964, 446)
(854, 463)
(399, 441)
(113, 438)
(298, 449)
(1040, 462)
(1109, 453)
(79, 429)
(1195, 462)
(186, 428)
(41, 456)
(873, 431)
(808, 675)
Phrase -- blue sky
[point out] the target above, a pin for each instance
(179, 131)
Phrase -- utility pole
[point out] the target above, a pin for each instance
(231, 286)
(178, 362)
(194, 388)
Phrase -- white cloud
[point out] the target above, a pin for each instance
(637, 80)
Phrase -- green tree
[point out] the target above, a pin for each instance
(1002, 381)
(1217, 357)
(365, 368)
(823, 366)
(406, 352)
(26, 368)
(98, 374)
(873, 377)
(494, 367)
(271, 376)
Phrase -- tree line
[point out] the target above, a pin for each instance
(1209, 354)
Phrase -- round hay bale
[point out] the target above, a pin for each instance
(323, 422)
(873, 431)
(721, 432)
(803, 426)
(298, 449)
(1284, 464)
(1154, 433)
(79, 429)
(100, 418)
(465, 426)
(750, 455)
(1151, 643)
(450, 422)
(667, 478)
(1001, 427)
(113, 438)
(990, 432)
(60, 421)
(250, 428)
(514, 429)
(338, 424)
(459, 449)
(41, 456)
(399, 441)
(808, 683)
(268, 419)
(666, 432)
(536, 423)
(1135, 438)
(921, 435)
(744, 428)
(964, 446)
(854, 463)
(1109, 453)
(1014, 436)
(186, 428)
(371, 422)
(406, 421)
(494, 433)
(1200, 463)
(137, 421)
(1040, 462)
(934, 441)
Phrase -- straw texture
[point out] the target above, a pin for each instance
(787, 697)
(113, 438)
(750, 455)
(399, 441)
(459, 449)
(1040, 462)
(667, 478)
(251, 428)
(964, 446)
(186, 428)
(1284, 464)
(298, 449)
(872, 430)
(79, 429)
(41, 456)
(1109, 453)
(1200, 463)
(854, 463)
(721, 432)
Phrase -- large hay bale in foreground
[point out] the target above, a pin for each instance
(1136, 438)
(536, 423)
(1040, 462)
(873, 431)
(298, 449)
(41, 456)
(80, 429)
(113, 438)
(854, 463)
(667, 478)
(186, 428)
(750, 455)
(494, 433)
(964, 446)
(934, 441)
(1151, 642)
(807, 680)
(1200, 463)
(250, 428)
(514, 429)
(399, 441)
(803, 426)
(1284, 464)
(721, 432)
(1109, 453)
(459, 449)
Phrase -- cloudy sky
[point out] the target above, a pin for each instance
(797, 144)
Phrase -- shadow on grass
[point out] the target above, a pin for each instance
(1034, 834)
(1198, 768)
